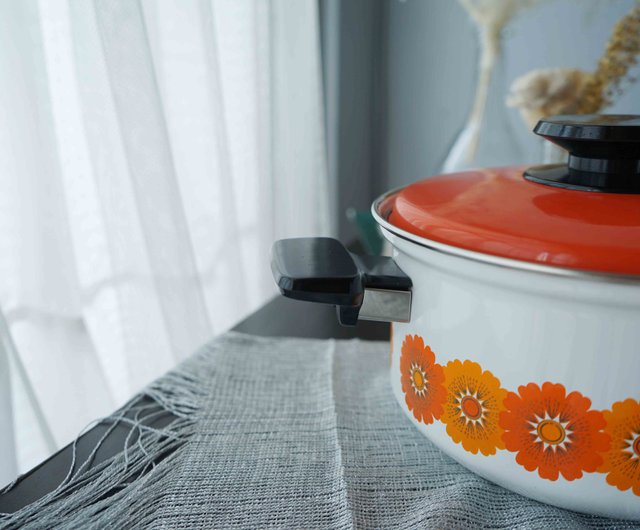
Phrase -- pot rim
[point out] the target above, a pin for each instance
(498, 261)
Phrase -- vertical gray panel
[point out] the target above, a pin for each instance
(353, 82)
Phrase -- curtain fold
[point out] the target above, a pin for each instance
(8, 468)
(150, 152)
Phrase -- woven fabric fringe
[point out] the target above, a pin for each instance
(83, 499)
(283, 433)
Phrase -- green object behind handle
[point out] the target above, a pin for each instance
(368, 232)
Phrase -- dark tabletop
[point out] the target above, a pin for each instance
(280, 317)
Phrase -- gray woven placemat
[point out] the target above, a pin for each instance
(286, 433)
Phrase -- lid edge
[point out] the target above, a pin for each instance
(491, 259)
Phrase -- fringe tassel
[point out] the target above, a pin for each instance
(126, 490)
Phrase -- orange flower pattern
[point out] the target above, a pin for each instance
(474, 401)
(622, 461)
(422, 380)
(553, 432)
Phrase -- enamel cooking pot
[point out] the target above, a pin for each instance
(515, 294)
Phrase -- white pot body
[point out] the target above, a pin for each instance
(526, 326)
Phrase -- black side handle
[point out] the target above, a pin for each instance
(321, 269)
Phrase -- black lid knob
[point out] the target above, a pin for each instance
(604, 153)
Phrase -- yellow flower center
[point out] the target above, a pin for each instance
(471, 407)
(551, 432)
(418, 379)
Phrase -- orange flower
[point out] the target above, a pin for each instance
(553, 432)
(622, 461)
(421, 379)
(474, 401)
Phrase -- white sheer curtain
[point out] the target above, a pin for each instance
(150, 152)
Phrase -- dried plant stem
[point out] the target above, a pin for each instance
(490, 51)
(620, 55)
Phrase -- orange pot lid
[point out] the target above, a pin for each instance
(499, 212)
(581, 215)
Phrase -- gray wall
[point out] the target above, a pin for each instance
(431, 67)
(354, 56)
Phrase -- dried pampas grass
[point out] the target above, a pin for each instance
(541, 93)
(490, 16)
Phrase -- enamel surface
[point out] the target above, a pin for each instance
(526, 327)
